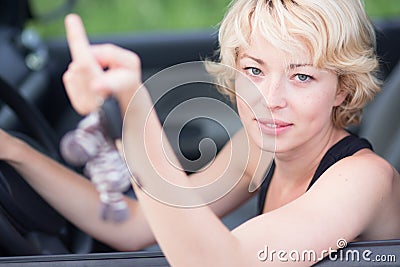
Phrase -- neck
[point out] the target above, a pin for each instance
(300, 164)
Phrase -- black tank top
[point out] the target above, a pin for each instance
(344, 148)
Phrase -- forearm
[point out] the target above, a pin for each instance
(76, 198)
(190, 237)
(205, 239)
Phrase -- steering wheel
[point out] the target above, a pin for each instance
(22, 210)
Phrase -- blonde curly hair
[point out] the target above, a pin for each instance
(338, 34)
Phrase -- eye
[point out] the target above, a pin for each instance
(253, 71)
(303, 77)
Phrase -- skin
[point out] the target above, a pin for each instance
(356, 199)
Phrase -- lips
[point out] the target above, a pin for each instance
(274, 127)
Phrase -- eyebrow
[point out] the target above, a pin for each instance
(294, 66)
(291, 66)
(259, 61)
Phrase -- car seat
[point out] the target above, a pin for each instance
(381, 121)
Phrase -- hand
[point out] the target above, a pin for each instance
(98, 71)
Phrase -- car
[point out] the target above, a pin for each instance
(34, 107)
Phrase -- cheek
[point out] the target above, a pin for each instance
(242, 98)
(246, 91)
(243, 109)
(317, 108)
(320, 98)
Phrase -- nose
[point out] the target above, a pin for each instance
(274, 93)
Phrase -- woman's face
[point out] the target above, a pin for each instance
(283, 100)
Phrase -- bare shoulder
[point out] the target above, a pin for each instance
(366, 187)
(377, 184)
(365, 168)
(371, 160)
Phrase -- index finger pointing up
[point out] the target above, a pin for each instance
(77, 39)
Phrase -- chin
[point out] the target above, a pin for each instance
(267, 144)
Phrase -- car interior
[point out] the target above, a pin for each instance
(34, 107)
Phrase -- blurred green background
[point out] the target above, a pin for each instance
(119, 16)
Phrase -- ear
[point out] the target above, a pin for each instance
(340, 97)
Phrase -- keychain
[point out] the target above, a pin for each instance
(92, 145)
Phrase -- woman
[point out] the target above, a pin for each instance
(305, 69)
